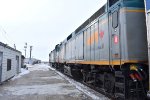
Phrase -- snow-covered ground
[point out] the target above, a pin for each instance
(93, 94)
(23, 72)
(51, 83)
(41, 66)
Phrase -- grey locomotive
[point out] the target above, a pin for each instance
(109, 50)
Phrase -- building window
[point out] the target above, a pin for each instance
(8, 64)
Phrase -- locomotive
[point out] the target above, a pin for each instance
(109, 51)
(147, 12)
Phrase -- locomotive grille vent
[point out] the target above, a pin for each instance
(57, 47)
(69, 37)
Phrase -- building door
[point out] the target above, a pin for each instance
(114, 31)
(1, 61)
(17, 64)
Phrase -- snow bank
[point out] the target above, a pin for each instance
(23, 72)
(42, 67)
(52, 77)
(83, 88)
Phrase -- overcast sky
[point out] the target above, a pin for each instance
(42, 23)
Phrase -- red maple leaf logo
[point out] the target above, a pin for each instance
(101, 34)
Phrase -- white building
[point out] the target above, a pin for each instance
(10, 62)
(31, 61)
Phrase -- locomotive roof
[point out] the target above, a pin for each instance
(88, 21)
(92, 18)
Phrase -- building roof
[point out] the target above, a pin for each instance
(6, 46)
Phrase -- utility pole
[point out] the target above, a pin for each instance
(25, 47)
(30, 51)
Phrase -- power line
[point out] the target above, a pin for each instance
(5, 35)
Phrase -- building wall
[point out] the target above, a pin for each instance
(9, 54)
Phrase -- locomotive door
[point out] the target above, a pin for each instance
(114, 31)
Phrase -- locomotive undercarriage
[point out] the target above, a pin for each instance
(114, 82)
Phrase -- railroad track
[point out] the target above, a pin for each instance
(100, 90)
(95, 89)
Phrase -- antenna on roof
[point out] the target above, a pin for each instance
(14, 46)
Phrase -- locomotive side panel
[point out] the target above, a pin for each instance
(63, 53)
(92, 43)
(123, 38)
(88, 46)
(76, 48)
(55, 55)
(73, 49)
(51, 57)
(67, 51)
(96, 35)
(60, 54)
(56, 52)
(104, 39)
(81, 45)
(136, 35)
(70, 50)
(96, 42)
(84, 44)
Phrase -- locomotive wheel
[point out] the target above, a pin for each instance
(76, 73)
(109, 83)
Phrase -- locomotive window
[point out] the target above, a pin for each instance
(111, 2)
(115, 19)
